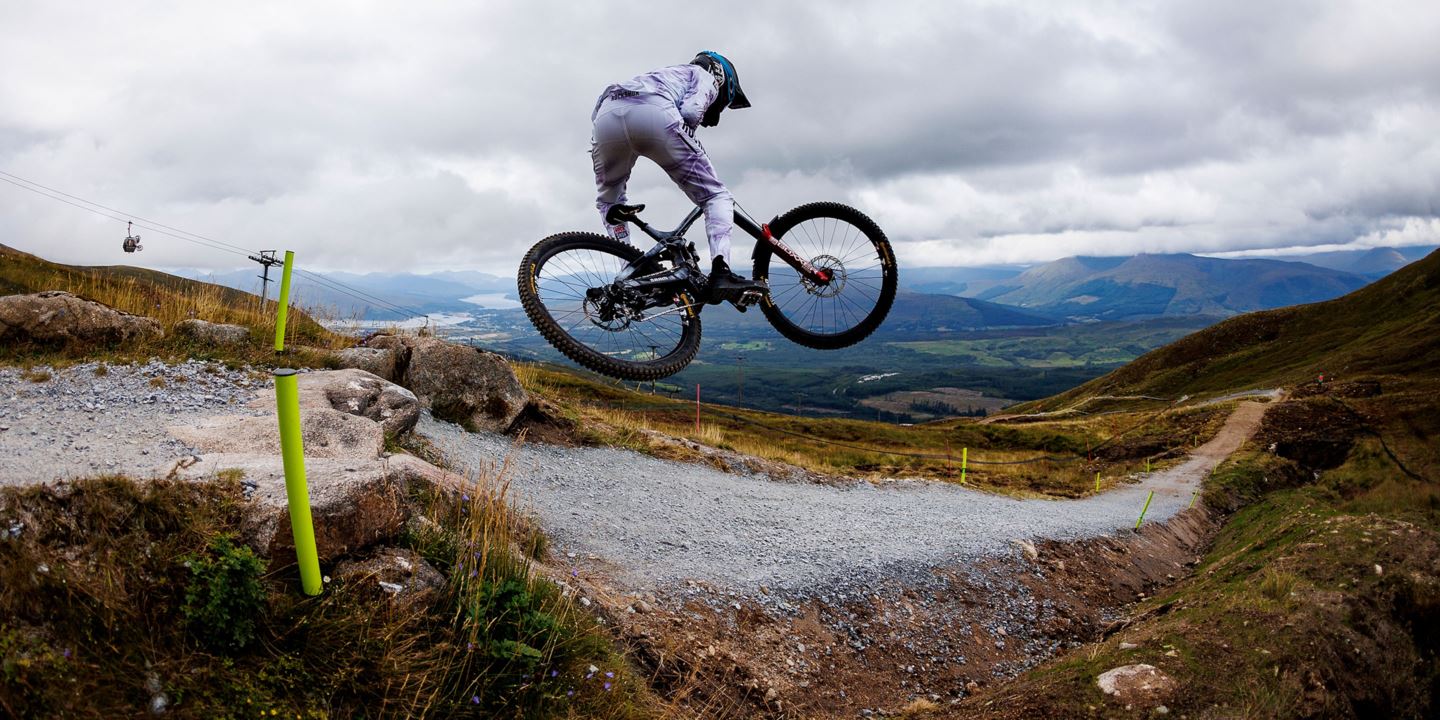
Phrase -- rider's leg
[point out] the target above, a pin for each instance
(683, 158)
(613, 158)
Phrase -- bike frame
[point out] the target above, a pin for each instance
(759, 231)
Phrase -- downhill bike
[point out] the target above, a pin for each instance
(636, 315)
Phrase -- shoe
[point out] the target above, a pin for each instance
(726, 285)
(623, 213)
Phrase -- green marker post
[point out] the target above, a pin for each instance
(1097, 481)
(1148, 498)
(964, 463)
(283, 313)
(287, 405)
(1192, 497)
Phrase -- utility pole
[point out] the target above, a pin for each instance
(267, 259)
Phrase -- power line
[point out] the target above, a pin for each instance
(128, 215)
(193, 238)
(339, 287)
(118, 218)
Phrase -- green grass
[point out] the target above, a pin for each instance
(1388, 329)
(114, 592)
(1285, 616)
(169, 300)
(613, 414)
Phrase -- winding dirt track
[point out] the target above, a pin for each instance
(655, 523)
(648, 523)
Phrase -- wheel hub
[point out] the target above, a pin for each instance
(602, 309)
(833, 269)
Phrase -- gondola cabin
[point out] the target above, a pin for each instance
(132, 241)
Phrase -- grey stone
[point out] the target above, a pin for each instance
(1136, 683)
(212, 333)
(325, 433)
(380, 362)
(59, 317)
(361, 393)
(464, 384)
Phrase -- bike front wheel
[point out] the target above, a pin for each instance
(567, 287)
(853, 250)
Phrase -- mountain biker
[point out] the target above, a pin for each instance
(655, 115)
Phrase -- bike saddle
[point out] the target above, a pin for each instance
(623, 213)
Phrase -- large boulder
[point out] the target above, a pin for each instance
(354, 503)
(380, 362)
(58, 317)
(460, 383)
(212, 333)
(361, 393)
(324, 433)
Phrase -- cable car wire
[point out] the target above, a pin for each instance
(195, 239)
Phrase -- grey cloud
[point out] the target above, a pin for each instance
(459, 133)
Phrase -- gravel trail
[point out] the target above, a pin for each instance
(652, 523)
(60, 424)
(657, 523)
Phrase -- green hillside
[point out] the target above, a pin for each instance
(1389, 328)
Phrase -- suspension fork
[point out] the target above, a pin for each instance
(762, 234)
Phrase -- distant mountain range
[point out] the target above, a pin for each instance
(932, 299)
(1155, 285)
(1110, 288)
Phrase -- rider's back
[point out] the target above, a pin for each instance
(670, 86)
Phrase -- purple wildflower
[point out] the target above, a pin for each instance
(474, 699)
(570, 693)
(67, 653)
(607, 687)
(553, 673)
(610, 674)
(465, 497)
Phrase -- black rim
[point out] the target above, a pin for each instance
(574, 285)
(856, 287)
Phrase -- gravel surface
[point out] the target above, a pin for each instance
(58, 424)
(659, 523)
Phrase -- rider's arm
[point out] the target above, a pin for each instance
(699, 93)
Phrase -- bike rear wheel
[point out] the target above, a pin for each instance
(849, 245)
(566, 285)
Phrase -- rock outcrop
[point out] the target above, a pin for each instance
(57, 317)
(459, 383)
(357, 492)
(361, 393)
(379, 362)
(212, 333)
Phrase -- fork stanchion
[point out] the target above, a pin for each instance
(287, 406)
(283, 313)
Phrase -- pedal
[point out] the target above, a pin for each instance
(748, 298)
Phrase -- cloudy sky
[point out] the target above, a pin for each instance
(430, 135)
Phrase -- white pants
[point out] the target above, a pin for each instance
(630, 127)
